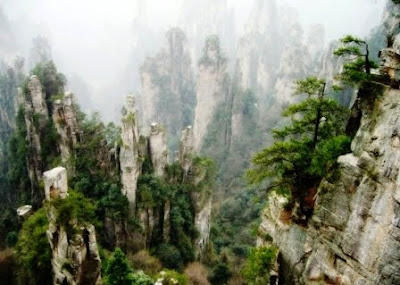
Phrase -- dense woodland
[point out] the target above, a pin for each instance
(317, 128)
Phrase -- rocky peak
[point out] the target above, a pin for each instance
(55, 183)
(211, 90)
(129, 153)
(36, 116)
(66, 123)
(75, 257)
(37, 96)
(168, 88)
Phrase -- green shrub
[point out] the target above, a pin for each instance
(258, 265)
(221, 273)
(170, 256)
(118, 271)
(141, 279)
(33, 249)
(171, 277)
(75, 207)
(12, 238)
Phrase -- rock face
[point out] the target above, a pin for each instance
(212, 88)
(55, 183)
(353, 236)
(64, 118)
(36, 115)
(129, 154)
(186, 150)
(158, 149)
(75, 259)
(24, 211)
(168, 87)
(197, 173)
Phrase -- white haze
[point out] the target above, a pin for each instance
(93, 40)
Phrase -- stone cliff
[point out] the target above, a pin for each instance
(75, 256)
(146, 170)
(168, 88)
(353, 236)
(212, 90)
(129, 153)
(65, 121)
(36, 115)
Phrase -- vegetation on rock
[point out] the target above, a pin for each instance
(305, 149)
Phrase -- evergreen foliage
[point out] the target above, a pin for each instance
(33, 250)
(52, 81)
(118, 271)
(258, 265)
(221, 273)
(306, 148)
(75, 207)
(357, 69)
(95, 177)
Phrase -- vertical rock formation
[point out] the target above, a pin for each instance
(36, 116)
(353, 237)
(129, 154)
(198, 173)
(209, 17)
(212, 90)
(186, 150)
(168, 88)
(66, 124)
(258, 49)
(75, 257)
(158, 149)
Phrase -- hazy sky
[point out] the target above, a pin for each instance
(93, 38)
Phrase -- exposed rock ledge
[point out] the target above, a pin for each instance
(353, 237)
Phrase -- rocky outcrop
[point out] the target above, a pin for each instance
(186, 150)
(167, 87)
(212, 89)
(75, 257)
(65, 121)
(199, 173)
(129, 154)
(36, 116)
(158, 149)
(353, 236)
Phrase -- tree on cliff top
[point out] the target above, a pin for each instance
(357, 69)
(305, 149)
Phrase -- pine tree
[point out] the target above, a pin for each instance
(357, 69)
(118, 271)
(305, 149)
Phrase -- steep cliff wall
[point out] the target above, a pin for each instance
(129, 153)
(65, 121)
(353, 235)
(212, 91)
(36, 115)
(155, 188)
(168, 87)
(199, 174)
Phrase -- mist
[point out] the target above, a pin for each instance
(99, 45)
